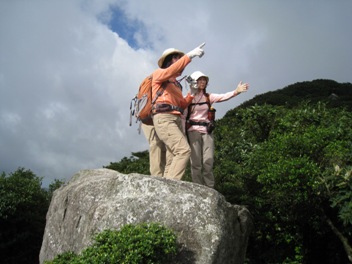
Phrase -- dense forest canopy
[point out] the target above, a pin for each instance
(331, 92)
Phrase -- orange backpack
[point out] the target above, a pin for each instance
(142, 104)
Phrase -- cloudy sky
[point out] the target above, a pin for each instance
(69, 68)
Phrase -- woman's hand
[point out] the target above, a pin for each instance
(241, 87)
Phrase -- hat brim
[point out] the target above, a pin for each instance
(165, 54)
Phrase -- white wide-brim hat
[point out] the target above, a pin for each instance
(168, 52)
(197, 74)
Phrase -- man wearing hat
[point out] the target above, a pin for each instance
(168, 108)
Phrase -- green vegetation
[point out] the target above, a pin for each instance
(290, 162)
(133, 244)
(281, 163)
(286, 155)
(138, 163)
(23, 207)
(326, 91)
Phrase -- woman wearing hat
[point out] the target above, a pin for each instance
(199, 126)
(169, 106)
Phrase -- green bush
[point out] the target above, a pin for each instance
(132, 244)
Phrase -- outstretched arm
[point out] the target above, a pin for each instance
(218, 98)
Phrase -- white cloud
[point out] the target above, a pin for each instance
(67, 78)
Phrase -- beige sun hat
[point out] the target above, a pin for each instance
(168, 52)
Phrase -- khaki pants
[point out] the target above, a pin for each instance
(169, 129)
(157, 151)
(202, 157)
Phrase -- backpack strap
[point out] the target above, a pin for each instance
(199, 103)
(163, 86)
(207, 98)
(159, 93)
(162, 108)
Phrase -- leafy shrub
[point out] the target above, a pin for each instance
(132, 244)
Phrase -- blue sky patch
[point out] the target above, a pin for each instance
(125, 27)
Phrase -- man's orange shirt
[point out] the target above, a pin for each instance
(172, 93)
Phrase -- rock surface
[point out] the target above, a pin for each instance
(209, 229)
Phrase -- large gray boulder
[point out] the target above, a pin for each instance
(209, 229)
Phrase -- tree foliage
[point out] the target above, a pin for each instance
(275, 160)
(23, 207)
(338, 186)
(56, 184)
(332, 93)
(138, 163)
